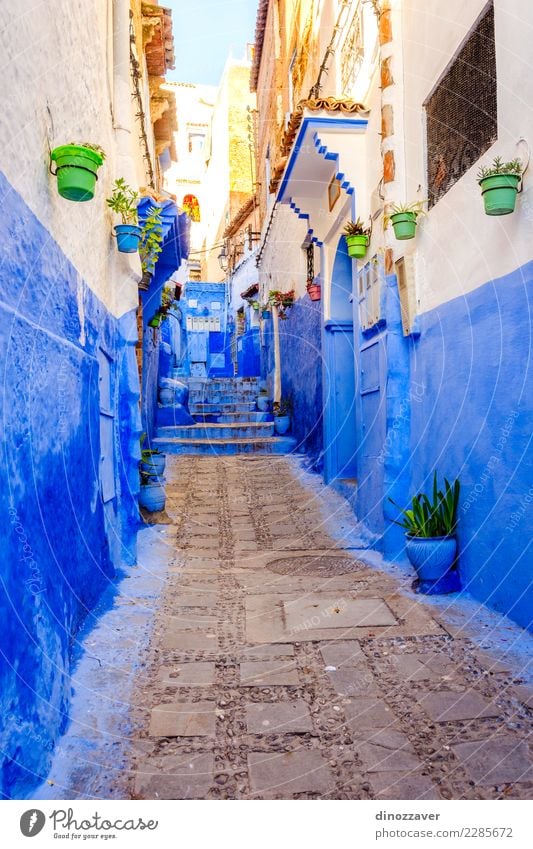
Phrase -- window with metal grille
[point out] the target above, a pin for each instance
(462, 110)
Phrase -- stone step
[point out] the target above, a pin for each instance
(267, 445)
(217, 398)
(236, 407)
(222, 418)
(219, 430)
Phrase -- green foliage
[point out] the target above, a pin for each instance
(432, 518)
(356, 228)
(498, 166)
(281, 300)
(283, 407)
(151, 242)
(91, 146)
(146, 453)
(123, 202)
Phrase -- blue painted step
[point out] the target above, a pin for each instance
(267, 445)
(222, 430)
(254, 416)
(244, 407)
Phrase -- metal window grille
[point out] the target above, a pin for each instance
(462, 110)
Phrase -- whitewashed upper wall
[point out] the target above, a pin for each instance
(57, 87)
(458, 247)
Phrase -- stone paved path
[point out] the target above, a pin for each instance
(282, 666)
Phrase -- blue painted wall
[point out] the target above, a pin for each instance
(473, 373)
(60, 542)
(301, 372)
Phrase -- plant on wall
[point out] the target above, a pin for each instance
(77, 165)
(281, 300)
(123, 202)
(151, 242)
(357, 237)
(499, 185)
(404, 217)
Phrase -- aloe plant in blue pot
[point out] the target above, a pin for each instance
(430, 542)
(282, 416)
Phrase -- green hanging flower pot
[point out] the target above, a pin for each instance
(76, 170)
(499, 193)
(155, 321)
(404, 225)
(357, 245)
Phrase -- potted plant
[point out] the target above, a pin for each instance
(77, 165)
(403, 217)
(281, 300)
(282, 415)
(151, 244)
(314, 290)
(357, 238)
(152, 460)
(152, 495)
(265, 311)
(262, 401)
(499, 185)
(430, 526)
(123, 202)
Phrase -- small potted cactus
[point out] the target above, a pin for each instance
(404, 218)
(499, 185)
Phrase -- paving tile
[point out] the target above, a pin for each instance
(388, 750)
(448, 707)
(180, 777)
(342, 653)
(364, 714)
(189, 619)
(193, 674)
(208, 600)
(524, 695)
(353, 681)
(184, 640)
(422, 667)
(497, 760)
(401, 785)
(273, 650)
(268, 673)
(183, 719)
(278, 717)
(322, 611)
(303, 771)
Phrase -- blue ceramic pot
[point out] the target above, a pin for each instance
(282, 424)
(152, 496)
(128, 236)
(262, 403)
(155, 465)
(432, 557)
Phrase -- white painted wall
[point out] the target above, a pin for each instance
(57, 87)
(458, 247)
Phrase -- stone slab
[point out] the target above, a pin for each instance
(268, 673)
(303, 771)
(181, 777)
(350, 681)
(207, 600)
(387, 750)
(368, 713)
(498, 760)
(401, 785)
(193, 674)
(274, 650)
(185, 640)
(183, 719)
(422, 667)
(343, 653)
(189, 619)
(278, 718)
(450, 707)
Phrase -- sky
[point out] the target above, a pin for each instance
(205, 32)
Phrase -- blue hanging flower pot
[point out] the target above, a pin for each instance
(128, 236)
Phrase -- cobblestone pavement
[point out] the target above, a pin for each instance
(282, 666)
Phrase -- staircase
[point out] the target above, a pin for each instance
(226, 421)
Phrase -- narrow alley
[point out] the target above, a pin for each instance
(283, 665)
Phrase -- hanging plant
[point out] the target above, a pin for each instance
(499, 185)
(77, 165)
(151, 241)
(282, 300)
(314, 290)
(404, 217)
(123, 202)
(357, 238)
